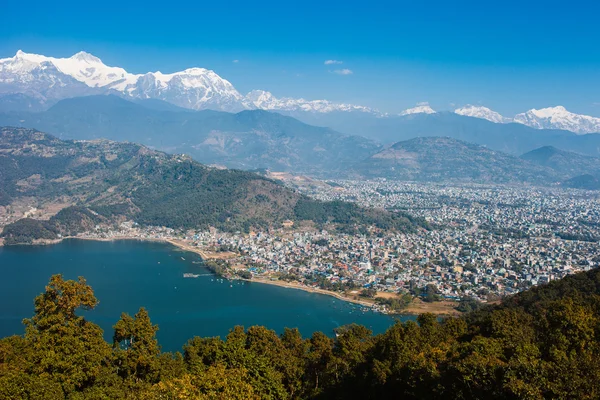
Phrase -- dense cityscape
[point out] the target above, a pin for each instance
(485, 241)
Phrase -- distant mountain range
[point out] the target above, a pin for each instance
(34, 82)
(255, 139)
(247, 140)
(546, 118)
(511, 138)
(46, 80)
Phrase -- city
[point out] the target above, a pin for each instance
(485, 242)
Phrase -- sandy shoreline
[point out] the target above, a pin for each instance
(421, 308)
(289, 285)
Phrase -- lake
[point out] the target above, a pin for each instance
(130, 274)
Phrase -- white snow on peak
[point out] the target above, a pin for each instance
(86, 57)
(421, 108)
(82, 66)
(481, 112)
(195, 88)
(559, 118)
(266, 101)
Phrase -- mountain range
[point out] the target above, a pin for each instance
(248, 140)
(105, 181)
(546, 118)
(512, 138)
(42, 81)
(257, 139)
(49, 79)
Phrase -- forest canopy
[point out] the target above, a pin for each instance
(539, 344)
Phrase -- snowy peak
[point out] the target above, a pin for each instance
(195, 88)
(421, 108)
(82, 66)
(49, 79)
(546, 118)
(481, 112)
(551, 112)
(53, 79)
(86, 57)
(264, 100)
(559, 118)
(40, 76)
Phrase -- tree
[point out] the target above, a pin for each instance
(137, 350)
(320, 354)
(368, 292)
(65, 346)
(215, 383)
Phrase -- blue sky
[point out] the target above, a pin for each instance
(510, 56)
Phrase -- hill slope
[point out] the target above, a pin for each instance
(565, 162)
(247, 140)
(125, 180)
(445, 159)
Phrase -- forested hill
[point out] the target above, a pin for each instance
(109, 181)
(540, 344)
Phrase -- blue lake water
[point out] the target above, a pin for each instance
(129, 274)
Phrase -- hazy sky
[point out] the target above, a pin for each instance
(511, 56)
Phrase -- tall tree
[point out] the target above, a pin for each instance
(64, 345)
(136, 347)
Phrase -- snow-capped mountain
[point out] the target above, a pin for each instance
(195, 88)
(263, 100)
(421, 108)
(559, 118)
(50, 79)
(37, 77)
(546, 118)
(481, 112)
(46, 80)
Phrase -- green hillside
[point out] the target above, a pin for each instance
(114, 180)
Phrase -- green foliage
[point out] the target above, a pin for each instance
(351, 217)
(468, 304)
(136, 347)
(368, 293)
(68, 221)
(64, 345)
(395, 304)
(26, 230)
(540, 344)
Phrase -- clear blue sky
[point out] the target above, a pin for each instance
(510, 56)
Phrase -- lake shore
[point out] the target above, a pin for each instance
(442, 308)
(290, 285)
(416, 307)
